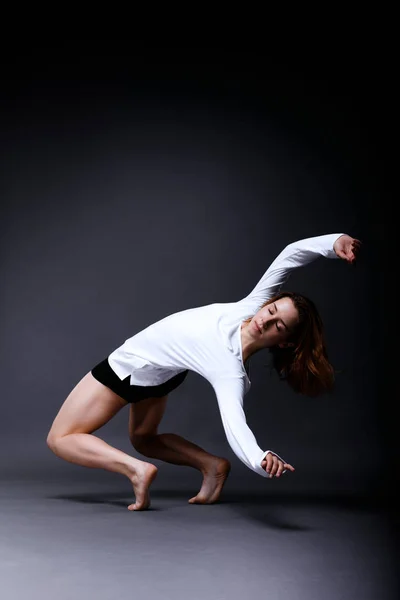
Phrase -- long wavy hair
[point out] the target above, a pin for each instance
(305, 366)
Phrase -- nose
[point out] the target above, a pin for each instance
(265, 322)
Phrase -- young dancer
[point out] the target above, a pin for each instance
(215, 341)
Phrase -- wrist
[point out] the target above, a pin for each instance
(335, 243)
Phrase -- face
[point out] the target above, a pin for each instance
(273, 324)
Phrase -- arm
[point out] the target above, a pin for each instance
(297, 254)
(241, 439)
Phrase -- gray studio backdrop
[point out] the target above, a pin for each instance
(117, 214)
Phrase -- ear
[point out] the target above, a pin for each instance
(286, 344)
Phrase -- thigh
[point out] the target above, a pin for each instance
(145, 416)
(89, 406)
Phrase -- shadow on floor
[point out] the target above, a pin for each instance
(105, 498)
(275, 511)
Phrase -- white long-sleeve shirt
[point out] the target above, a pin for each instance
(207, 340)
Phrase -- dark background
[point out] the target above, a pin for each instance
(140, 183)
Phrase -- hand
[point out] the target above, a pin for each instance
(274, 466)
(347, 248)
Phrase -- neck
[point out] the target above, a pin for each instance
(249, 346)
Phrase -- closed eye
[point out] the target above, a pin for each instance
(283, 322)
(276, 324)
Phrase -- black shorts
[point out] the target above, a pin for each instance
(133, 393)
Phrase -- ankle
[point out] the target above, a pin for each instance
(134, 467)
(215, 466)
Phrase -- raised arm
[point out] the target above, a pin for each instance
(241, 439)
(297, 254)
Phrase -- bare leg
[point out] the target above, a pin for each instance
(169, 447)
(89, 406)
(175, 449)
(88, 450)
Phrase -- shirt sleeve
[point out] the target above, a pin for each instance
(230, 393)
(297, 254)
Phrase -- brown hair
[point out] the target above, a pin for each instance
(305, 366)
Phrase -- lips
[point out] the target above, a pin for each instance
(258, 327)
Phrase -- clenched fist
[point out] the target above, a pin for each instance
(347, 247)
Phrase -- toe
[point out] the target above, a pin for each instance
(197, 500)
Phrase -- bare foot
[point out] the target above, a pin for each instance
(213, 482)
(141, 481)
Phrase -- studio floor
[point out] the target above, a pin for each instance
(74, 538)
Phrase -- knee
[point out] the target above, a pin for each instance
(51, 441)
(140, 440)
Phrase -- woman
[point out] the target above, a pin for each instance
(215, 341)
